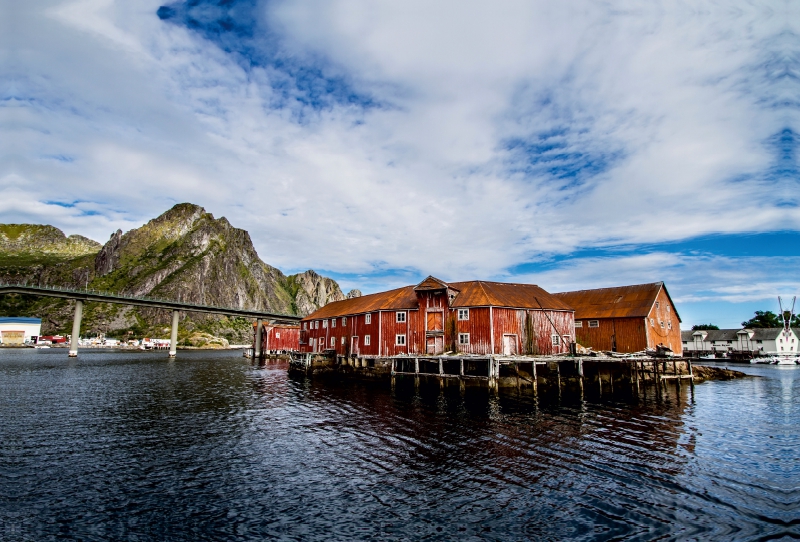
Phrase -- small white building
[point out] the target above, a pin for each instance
(759, 341)
(18, 331)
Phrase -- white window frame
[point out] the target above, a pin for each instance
(594, 323)
(324, 324)
(463, 314)
(343, 341)
(277, 334)
(366, 340)
(401, 317)
(316, 324)
(463, 338)
(400, 340)
(661, 322)
(652, 323)
(333, 342)
(344, 320)
(305, 327)
(657, 305)
(333, 322)
(555, 339)
(578, 323)
(367, 318)
(669, 324)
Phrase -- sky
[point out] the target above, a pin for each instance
(573, 144)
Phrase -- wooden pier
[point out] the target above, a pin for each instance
(604, 373)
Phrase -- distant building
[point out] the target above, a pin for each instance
(279, 338)
(18, 331)
(625, 318)
(473, 317)
(757, 341)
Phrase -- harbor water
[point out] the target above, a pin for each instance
(211, 446)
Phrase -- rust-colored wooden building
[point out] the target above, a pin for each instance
(625, 318)
(277, 338)
(474, 317)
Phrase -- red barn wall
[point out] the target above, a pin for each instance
(630, 333)
(280, 338)
(665, 312)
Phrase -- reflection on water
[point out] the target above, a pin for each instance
(210, 447)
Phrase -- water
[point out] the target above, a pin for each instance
(210, 447)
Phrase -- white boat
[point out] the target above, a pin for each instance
(784, 359)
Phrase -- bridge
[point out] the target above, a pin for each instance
(83, 296)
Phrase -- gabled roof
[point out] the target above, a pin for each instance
(432, 283)
(475, 293)
(480, 293)
(617, 302)
(712, 335)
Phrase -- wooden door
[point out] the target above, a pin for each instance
(509, 345)
(354, 348)
(435, 345)
(435, 321)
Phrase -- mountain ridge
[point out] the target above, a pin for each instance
(184, 254)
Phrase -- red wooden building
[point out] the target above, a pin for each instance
(474, 317)
(625, 318)
(278, 338)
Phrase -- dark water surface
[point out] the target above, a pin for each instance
(210, 447)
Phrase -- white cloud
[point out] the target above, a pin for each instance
(661, 111)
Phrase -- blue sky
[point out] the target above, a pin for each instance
(572, 144)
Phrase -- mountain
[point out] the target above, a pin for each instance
(185, 254)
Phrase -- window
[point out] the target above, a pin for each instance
(316, 324)
(656, 304)
(669, 324)
(333, 322)
(463, 338)
(578, 323)
(667, 309)
(662, 323)
(333, 341)
(652, 323)
(400, 317)
(366, 340)
(368, 319)
(556, 340)
(400, 340)
(277, 335)
(324, 324)
(594, 323)
(463, 314)
(304, 326)
(342, 340)
(344, 320)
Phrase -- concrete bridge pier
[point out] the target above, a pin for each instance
(173, 336)
(76, 329)
(257, 346)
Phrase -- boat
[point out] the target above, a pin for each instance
(785, 359)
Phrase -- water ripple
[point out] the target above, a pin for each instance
(210, 447)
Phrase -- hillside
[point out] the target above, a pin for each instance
(185, 254)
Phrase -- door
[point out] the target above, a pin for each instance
(435, 345)
(435, 321)
(354, 347)
(509, 345)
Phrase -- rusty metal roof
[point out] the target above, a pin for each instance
(474, 293)
(618, 302)
(480, 293)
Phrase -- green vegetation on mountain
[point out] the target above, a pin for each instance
(185, 255)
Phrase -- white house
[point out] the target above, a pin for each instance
(759, 341)
(18, 331)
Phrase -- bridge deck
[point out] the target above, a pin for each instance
(105, 297)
